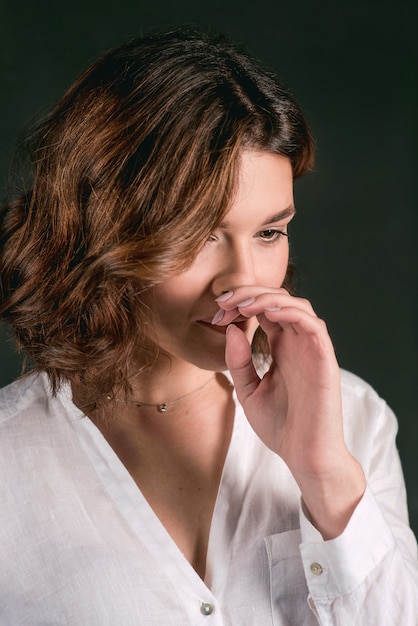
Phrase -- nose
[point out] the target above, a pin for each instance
(237, 268)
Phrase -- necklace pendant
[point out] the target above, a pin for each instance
(163, 408)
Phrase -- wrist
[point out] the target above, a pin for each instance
(329, 499)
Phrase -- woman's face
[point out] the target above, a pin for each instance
(248, 248)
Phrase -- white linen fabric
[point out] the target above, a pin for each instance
(80, 546)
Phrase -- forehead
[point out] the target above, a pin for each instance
(264, 188)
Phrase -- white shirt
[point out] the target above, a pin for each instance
(80, 546)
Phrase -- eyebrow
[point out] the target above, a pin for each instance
(277, 217)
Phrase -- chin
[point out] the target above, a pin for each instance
(211, 363)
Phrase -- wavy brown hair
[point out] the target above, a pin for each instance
(133, 170)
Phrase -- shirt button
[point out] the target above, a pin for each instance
(316, 569)
(206, 608)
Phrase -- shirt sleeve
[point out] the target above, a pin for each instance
(369, 574)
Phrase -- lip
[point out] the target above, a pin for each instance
(214, 327)
(241, 321)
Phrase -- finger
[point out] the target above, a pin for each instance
(253, 306)
(231, 299)
(256, 303)
(223, 318)
(300, 323)
(296, 316)
(240, 363)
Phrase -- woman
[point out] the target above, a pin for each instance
(187, 450)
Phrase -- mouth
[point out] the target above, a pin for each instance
(243, 323)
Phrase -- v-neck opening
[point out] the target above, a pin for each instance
(140, 516)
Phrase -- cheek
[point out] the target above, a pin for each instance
(275, 270)
(170, 300)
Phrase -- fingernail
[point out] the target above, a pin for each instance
(224, 296)
(272, 308)
(218, 316)
(246, 302)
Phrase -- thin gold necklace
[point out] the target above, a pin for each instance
(163, 406)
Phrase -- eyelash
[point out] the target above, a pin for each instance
(276, 235)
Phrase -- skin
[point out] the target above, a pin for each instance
(301, 388)
(204, 320)
(250, 248)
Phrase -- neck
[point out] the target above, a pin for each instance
(163, 407)
(205, 411)
(167, 385)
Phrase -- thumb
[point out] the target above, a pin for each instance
(240, 363)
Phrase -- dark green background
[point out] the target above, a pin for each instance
(352, 66)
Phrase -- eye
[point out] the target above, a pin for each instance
(270, 235)
(211, 238)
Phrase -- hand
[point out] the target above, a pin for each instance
(296, 408)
